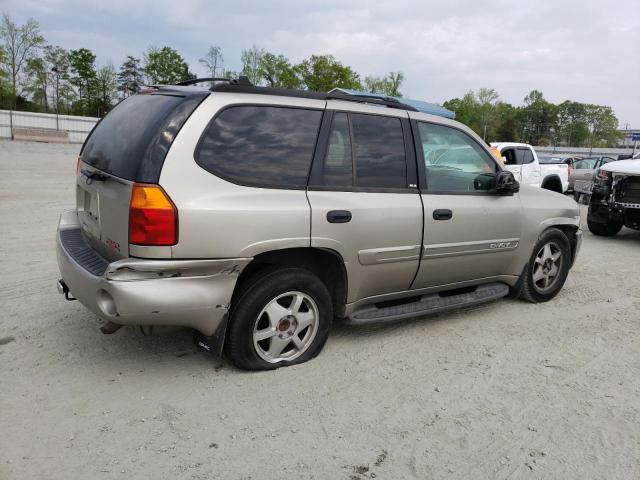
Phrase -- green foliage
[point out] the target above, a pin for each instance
(322, 73)
(105, 89)
(19, 44)
(165, 66)
(389, 85)
(130, 76)
(251, 60)
(277, 71)
(537, 121)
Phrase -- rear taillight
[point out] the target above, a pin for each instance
(77, 164)
(153, 218)
(571, 169)
(603, 174)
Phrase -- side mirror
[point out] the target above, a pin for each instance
(506, 183)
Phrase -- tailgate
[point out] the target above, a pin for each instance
(102, 202)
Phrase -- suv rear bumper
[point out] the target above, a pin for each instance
(189, 293)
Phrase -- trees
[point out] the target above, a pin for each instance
(389, 85)
(83, 72)
(538, 119)
(105, 86)
(213, 62)
(487, 98)
(165, 66)
(277, 71)
(130, 76)
(322, 73)
(21, 42)
(250, 60)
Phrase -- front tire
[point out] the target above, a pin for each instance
(548, 267)
(280, 317)
(607, 229)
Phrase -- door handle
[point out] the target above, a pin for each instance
(442, 214)
(339, 216)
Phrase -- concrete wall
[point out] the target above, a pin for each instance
(584, 151)
(78, 127)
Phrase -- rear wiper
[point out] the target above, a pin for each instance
(91, 176)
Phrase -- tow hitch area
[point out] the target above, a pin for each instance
(63, 289)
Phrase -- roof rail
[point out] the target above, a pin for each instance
(241, 80)
(386, 101)
(239, 87)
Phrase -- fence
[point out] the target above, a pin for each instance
(78, 127)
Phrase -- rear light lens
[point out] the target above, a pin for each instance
(603, 174)
(153, 218)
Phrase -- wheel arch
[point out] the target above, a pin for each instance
(553, 183)
(327, 264)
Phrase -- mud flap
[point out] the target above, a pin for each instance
(215, 343)
(516, 290)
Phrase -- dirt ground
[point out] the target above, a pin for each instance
(504, 390)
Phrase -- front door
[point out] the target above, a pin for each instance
(364, 200)
(470, 232)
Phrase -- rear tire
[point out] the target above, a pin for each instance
(548, 267)
(608, 229)
(280, 317)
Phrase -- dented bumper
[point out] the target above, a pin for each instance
(133, 291)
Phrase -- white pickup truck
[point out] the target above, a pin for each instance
(521, 159)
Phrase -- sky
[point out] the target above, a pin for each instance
(581, 50)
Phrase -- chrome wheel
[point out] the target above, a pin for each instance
(286, 327)
(547, 267)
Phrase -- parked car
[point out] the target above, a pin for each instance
(615, 198)
(522, 160)
(583, 172)
(257, 215)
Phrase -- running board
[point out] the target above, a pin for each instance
(432, 303)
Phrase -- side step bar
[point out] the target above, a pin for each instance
(432, 303)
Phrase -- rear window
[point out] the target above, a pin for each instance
(260, 146)
(132, 140)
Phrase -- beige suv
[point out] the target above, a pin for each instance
(257, 216)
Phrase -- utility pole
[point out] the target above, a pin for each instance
(56, 71)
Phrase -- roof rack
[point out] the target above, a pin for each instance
(241, 80)
(241, 87)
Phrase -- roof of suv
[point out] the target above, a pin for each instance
(242, 85)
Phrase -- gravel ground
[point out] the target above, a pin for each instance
(505, 390)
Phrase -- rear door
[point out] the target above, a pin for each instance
(470, 231)
(127, 146)
(364, 199)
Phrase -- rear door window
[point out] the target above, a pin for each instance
(379, 151)
(262, 146)
(120, 143)
(338, 163)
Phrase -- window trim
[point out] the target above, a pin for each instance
(323, 145)
(196, 151)
(422, 168)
